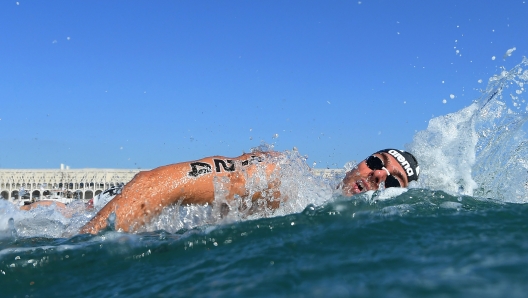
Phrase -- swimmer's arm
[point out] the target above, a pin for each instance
(149, 192)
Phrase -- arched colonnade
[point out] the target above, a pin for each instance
(35, 184)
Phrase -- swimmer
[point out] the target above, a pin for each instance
(145, 196)
(66, 210)
(43, 203)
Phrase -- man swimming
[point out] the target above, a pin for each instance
(145, 196)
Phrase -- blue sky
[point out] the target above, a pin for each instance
(139, 84)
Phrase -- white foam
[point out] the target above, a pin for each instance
(480, 150)
(44, 221)
(446, 152)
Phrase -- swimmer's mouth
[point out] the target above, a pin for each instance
(361, 186)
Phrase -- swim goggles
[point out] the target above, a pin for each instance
(375, 163)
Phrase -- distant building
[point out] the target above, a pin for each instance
(34, 184)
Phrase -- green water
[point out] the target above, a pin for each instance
(421, 243)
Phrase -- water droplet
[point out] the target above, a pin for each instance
(309, 210)
(111, 221)
(11, 226)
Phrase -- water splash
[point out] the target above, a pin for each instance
(480, 150)
(295, 187)
(45, 221)
(11, 228)
(446, 151)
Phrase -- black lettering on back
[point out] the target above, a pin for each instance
(219, 162)
(251, 159)
(199, 168)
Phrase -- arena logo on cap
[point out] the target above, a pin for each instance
(403, 162)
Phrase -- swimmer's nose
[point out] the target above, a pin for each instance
(379, 176)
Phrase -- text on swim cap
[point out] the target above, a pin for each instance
(403, 162)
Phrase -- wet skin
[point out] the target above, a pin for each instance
(362, 178)
(149, 192)
(42, 203)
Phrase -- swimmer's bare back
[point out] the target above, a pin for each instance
(42, 203)
(149, 192)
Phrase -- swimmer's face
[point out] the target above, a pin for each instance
(369, 175)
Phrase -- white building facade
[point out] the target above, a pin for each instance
(35, 184)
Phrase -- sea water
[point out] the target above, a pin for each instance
(461, 231)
